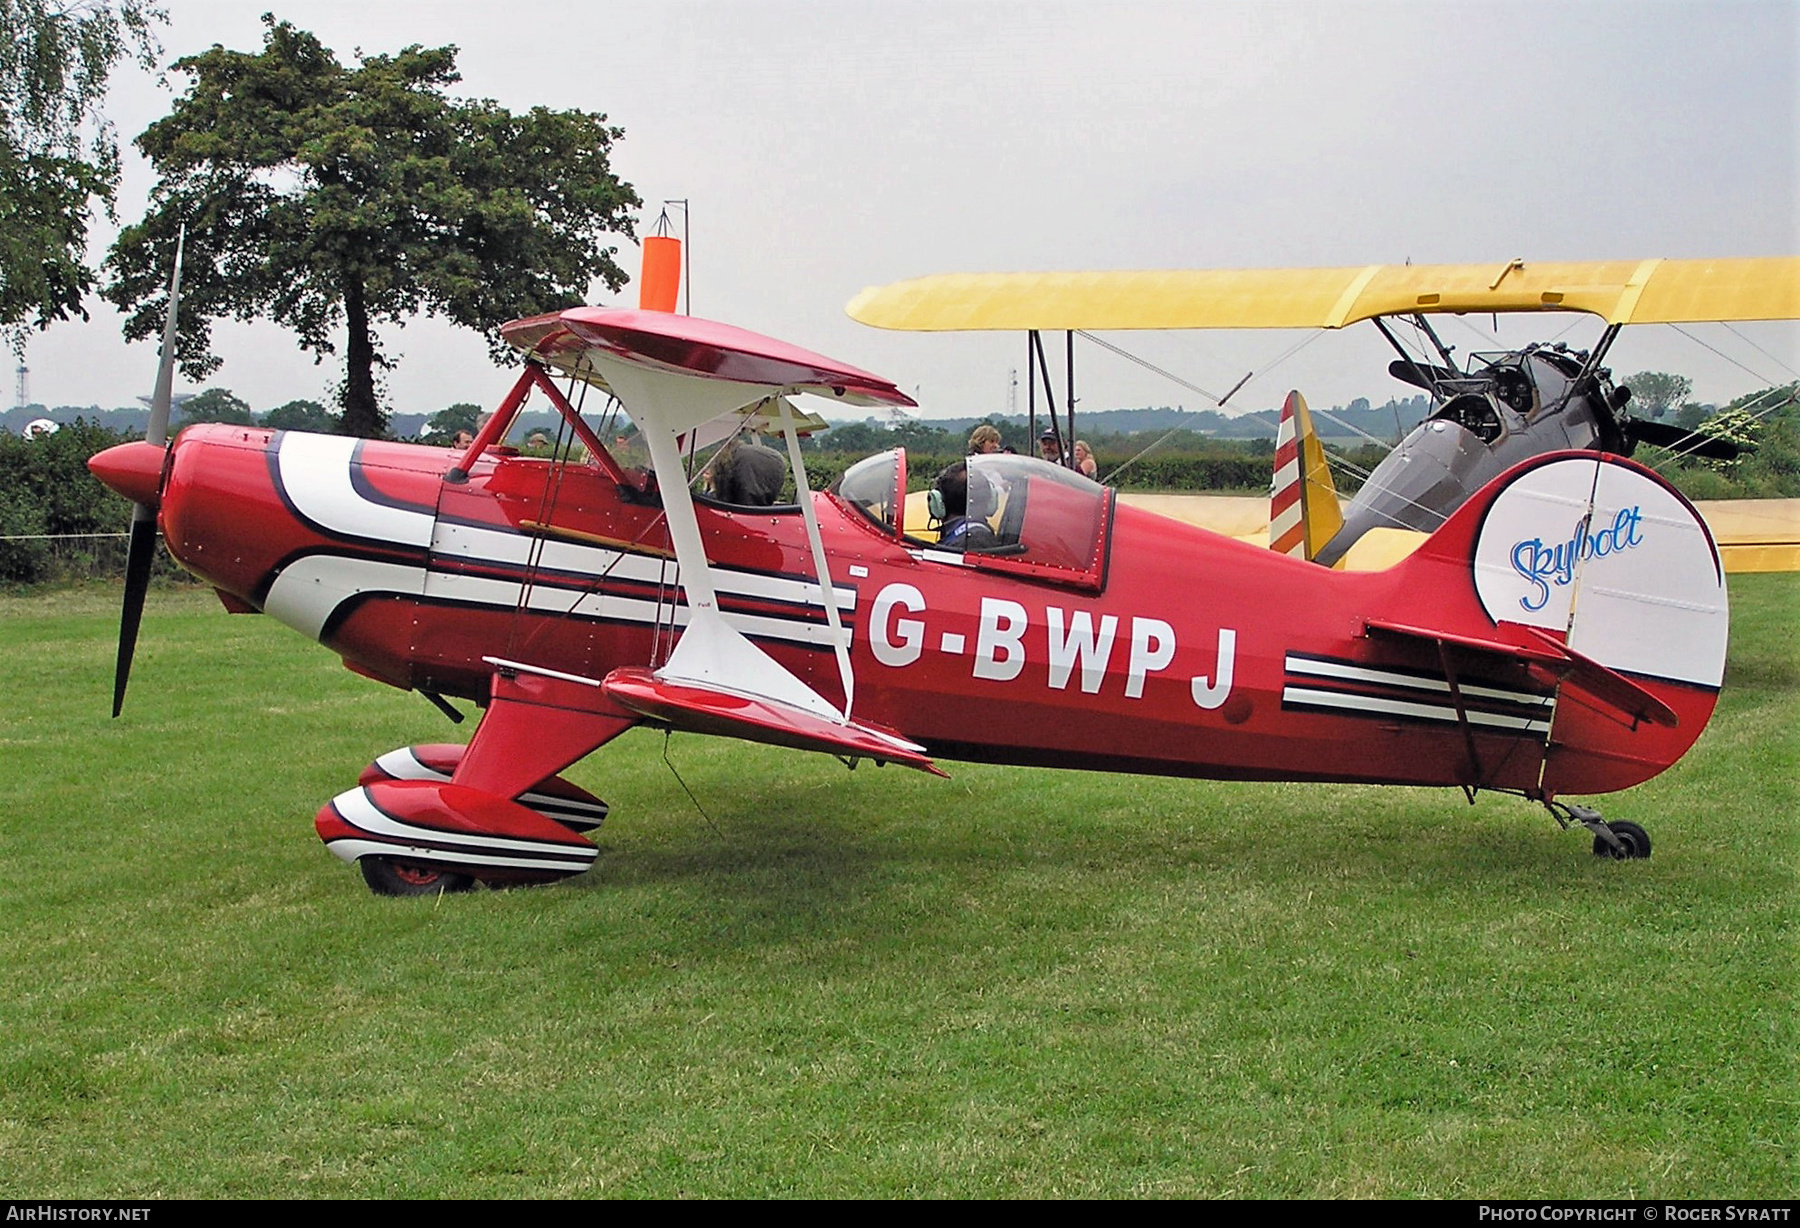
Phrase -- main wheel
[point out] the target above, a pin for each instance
(386, 876)
(1635, 839)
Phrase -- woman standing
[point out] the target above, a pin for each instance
(1084, 459)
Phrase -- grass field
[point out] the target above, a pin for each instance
(872, 983)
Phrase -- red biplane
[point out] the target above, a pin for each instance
(1563, 633)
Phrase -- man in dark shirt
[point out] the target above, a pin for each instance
(749, 473)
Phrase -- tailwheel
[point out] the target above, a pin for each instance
(1618, 841)
(1633, 842)
(391, 876)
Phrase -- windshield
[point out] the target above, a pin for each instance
(872, 487)
(1042, 517)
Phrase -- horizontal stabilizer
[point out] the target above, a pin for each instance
(698, 708)
(1529, 646)
(1607, 685)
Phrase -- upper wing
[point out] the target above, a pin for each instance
(676, 374)
(1621, 291)
(571, 341)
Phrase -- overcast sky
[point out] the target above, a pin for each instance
(826, 147)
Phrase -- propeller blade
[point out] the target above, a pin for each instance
(157, 432)
(140, 552)
(1688, 443)
(1420, 375)
(139, 555)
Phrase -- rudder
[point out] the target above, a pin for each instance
(1303, 505)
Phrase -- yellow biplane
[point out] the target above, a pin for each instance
(1497, 410)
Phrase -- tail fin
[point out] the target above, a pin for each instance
(1602, 564)
(1303, 510)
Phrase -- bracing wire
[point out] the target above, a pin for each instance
(1150, 366)
(673, 771)
(534, 554)
(1778, 397)
(1340, 463)
(1145, 363)
(1728, 358)
(1772, 358)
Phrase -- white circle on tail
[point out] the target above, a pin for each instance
(1608, 553)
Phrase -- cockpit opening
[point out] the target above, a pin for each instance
(1011, 513)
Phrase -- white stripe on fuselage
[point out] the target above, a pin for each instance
(474, 543)
(310, 590)
(1323, 668)
(315, 474)
(316, 477)
(1311, 698)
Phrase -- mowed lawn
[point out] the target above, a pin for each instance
(1011, 983)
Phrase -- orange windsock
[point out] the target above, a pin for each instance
(661, 282)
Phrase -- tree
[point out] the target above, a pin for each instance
(302, 416)
(1692, 415)
(58, 154)
(1655, 393)
(327, 197)
(917, 436)
(216, 405)
(463, 416)
(858, 437)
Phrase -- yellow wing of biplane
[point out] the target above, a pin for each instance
(1619, 291)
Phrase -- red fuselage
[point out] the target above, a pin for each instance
(1122, 641)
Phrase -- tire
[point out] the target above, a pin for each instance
(1635, 839)
(386, 876)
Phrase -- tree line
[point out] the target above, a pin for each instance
(46, 491)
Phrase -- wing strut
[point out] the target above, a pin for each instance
(674, 374)
(803, 492)
(1462, 719)
(495, 428)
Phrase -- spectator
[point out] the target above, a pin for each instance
(1084, 459)
(983, 440)
(748, 473)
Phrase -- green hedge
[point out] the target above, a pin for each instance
(1153, 472)
(45, 488)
